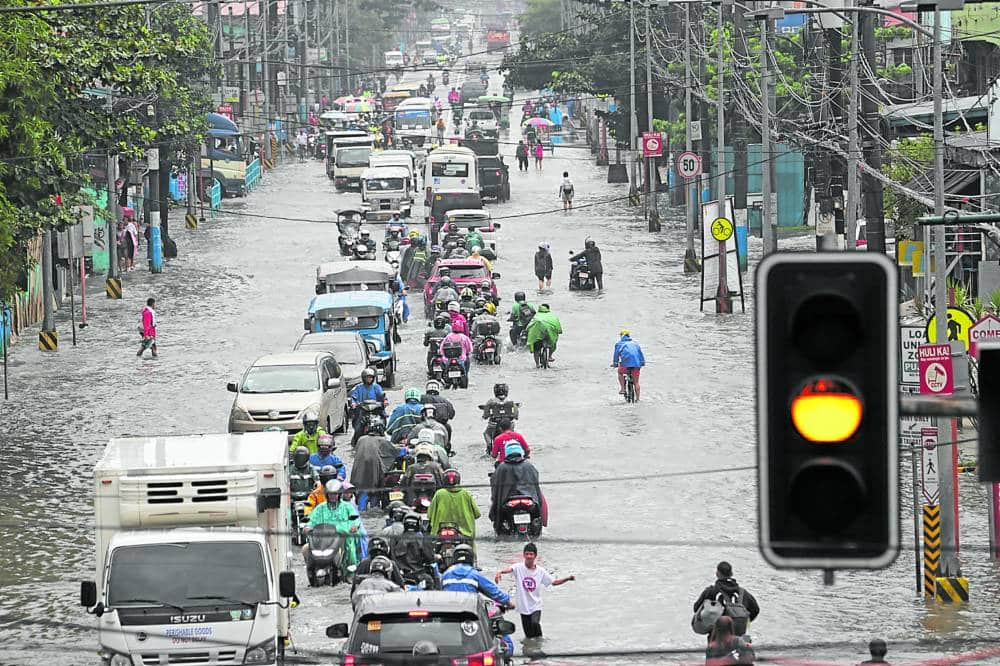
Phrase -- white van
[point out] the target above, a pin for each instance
(386, 190)
(478, 117)
(349, 159)
(450, 167)
(397, 158)
(414, 120)
(393, 59)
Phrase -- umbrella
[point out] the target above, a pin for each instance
(344, 100)
(539, 122)
(358, 107)
(493, 98)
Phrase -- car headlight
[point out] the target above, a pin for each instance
(240, 414)
(116, 659)
(261, 654)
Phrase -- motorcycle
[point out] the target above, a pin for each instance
(422, 489)
(454, 375)
(371, 413)
(520, 515)
(393, 480)
(326, 551)
(300, 486)
(486, 344)
(580, 278)
(444, 78)
(392, 252)
(362, 252)
(448, 537)
(435, 367)
(348, 238)
(507, 411)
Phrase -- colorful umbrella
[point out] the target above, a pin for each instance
(539, 122)
(340, 101)
(493, 98)
(358, 107)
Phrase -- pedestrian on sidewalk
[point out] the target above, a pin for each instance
(566, 191)
(530, 579)
(539, 153)
(522, 156)
(148, 328)
(131, 238)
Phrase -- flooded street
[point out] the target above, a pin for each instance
(644, 499)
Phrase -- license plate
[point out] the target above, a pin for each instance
(320, 572)
(584, 276)
(395, 495)
(455, 373)
(521, 519)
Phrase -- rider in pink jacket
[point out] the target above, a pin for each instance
(463, 340)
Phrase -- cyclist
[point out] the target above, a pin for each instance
(628, 358)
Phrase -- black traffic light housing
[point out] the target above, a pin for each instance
(827, 410)
(988, 421)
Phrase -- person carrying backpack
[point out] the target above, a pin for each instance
(566, 191)
(736, 603)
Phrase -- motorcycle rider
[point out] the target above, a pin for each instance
(628, 358)
(454, 504)
(369, 242)
(396, 228)
(440, 434)
(544, 326)
(341, 515)
(394, 525)
(318, 495)
(444, 291)
(474, 254)
(426, 463)
(324, 456)
(515, 476)
(505, 435)
(499, 406)
(309, 434)
(377, 581)
(521, 312)
(301, 475)
(405, 416)
(457, 336)
(413, 551)
(473, 239)
(459, 324)
(441, 328)
(463, 576)
(368, 389)
(485, 319)
(377, 547)
(453, 96)
(374, 456)
(444, 281)
(594, 265)
(428, 436)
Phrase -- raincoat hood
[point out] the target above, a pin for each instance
(543, 308)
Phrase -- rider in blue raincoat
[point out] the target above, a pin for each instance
(405, 416)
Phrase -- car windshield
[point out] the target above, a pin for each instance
(453, 634)
(413, 117)
(349, 323)
(481, 115)
(353, 157)
(468, 272)
(281, 379)
(450, 169)
(346, 353)
(187, 574)
(384, 184)
(445, 202)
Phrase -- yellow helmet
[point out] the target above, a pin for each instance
(490, 308)
(414, 233)
(624, 331)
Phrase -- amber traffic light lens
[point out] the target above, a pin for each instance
(827, 411)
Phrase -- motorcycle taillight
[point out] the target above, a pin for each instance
(348, 660)
(478, 659)
(514, 503)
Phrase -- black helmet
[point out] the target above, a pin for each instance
(463, 553)
(500, 391)
(452, 478)
(411, 522)
(589, 244)
(398, 513)
(378, 546)
(520, 297)
(327, 473)
(381, 565)
(301, 457)
(441, 320)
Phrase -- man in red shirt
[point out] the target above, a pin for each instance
(505, 435)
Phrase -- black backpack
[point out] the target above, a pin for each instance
(734, 608)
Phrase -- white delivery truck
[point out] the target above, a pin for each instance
(192, 550)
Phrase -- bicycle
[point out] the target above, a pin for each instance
(629, 382)
(541, 353)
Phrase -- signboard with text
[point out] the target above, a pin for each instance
(936, 373)
(910, 339)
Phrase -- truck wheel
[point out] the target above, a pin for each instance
(390, 376)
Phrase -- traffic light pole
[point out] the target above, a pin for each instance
(723, 303)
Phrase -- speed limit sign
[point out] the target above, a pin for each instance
(688, 164)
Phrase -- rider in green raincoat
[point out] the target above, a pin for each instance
(472, 239)
(343, 516)
(544, 326)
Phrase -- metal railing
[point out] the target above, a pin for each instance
(215, 201)
(253, 175)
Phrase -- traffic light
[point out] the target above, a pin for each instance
(988, 463)
(827, 410)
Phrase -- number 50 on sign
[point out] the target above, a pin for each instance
(688, 165)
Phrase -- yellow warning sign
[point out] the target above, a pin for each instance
(959, 323)
(191, 221)
(722, 229)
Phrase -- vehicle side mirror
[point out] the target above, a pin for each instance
(332, 383)
(88, 593)
(286, 584)
(496, 276)
(371, 346)
(504, 628)
(338, 630)
(496, 225)
(306, 324)
(232, 387)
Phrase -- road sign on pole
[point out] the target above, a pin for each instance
(936, 375)
(689, 165)
(652, 144)
(987, 328)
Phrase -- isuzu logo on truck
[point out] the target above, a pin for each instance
(184, 619)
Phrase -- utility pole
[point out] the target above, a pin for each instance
(265, 15)
(853, 146)
(946, 465)
(723, 303)
(153, 200)
(347, 43)
(633, 191)
(340, 55)
(48, 338)
(693, 201)
(652, 214)
(872, 146)
(113, 283)
(738, 126)
(767, 230)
